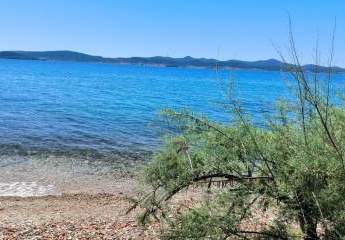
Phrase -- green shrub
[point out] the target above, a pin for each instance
(294, 165)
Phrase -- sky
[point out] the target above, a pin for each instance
(222, 29)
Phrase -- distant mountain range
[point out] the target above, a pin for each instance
(270, 64)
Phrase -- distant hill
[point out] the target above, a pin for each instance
(60, 56)
(270, 64)
(14, 55)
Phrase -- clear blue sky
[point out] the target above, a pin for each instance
(224, 29)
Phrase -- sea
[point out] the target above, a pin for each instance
(62, 123)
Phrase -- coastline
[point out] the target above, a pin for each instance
(161, 61)
(24, 175)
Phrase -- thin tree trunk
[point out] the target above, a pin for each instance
(307, 218)
(310, 230)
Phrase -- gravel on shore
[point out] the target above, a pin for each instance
(71, 216)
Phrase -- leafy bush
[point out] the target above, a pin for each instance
(294, 166)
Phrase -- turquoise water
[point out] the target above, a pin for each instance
(79, 109)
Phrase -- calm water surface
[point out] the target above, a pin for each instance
(68, 110)
(67, 106)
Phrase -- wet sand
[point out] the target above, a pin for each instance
(58, 175)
